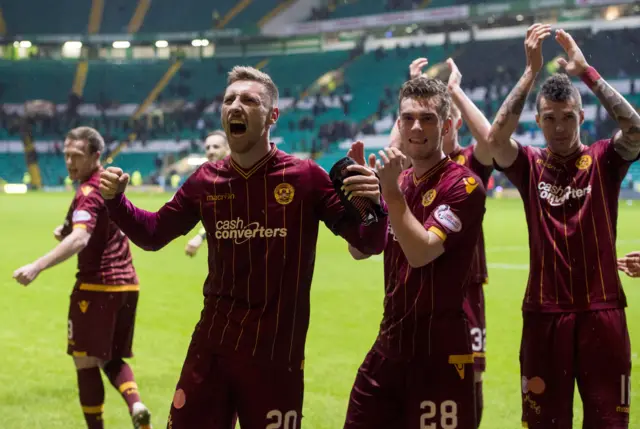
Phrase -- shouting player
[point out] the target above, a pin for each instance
(574, 323)
(261, 208)
(103, 302)
(216, 147)
(476, 157)
(419, 371)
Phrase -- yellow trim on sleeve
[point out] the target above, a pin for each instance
(437, 231)
(109, 288)
(79, 354)
(80, 225)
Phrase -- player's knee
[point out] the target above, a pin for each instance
(477, 376)
(85, 362)
(112, 365)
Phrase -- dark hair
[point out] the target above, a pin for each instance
(427, 88)
(558, 88)
(93, 138)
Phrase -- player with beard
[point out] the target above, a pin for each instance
(261, 208)
(104, 299)
(574, 323)
(216, 147)
(419, 371)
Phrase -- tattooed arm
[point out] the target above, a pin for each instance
(503, 149)
(627, 140)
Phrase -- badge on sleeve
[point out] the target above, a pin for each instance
(447, 218)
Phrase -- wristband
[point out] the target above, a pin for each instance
(590, 77)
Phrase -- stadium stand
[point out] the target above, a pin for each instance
(327, 96)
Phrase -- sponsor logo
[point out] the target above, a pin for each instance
(459, 361)
(447, 218)
(84, 306)
(460, 159)
(86, 190)
(584, 162)
(558, 195)
(470, 184)
(221, 197)
(284, 193)
(546, 165)
(532, 404)
(535, 385)
(428, 197)
(179, 399)
(80, 216)
(240, 232)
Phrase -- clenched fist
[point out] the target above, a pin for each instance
(113, 181)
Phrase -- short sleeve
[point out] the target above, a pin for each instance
(610, 158)
(88, 205)
(519, 172)
(459, 212)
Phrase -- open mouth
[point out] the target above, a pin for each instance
(237, 127)
(418, 141)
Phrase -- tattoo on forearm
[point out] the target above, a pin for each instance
(513, 105)
(624, 114)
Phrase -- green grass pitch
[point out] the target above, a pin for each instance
(37, 380)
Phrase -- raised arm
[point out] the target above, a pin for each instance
(367, 239)
(627, 140)
(148, 230)
(471, 115)
(503, 149)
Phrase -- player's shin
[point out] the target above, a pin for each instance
(91, 396)
(121, 377)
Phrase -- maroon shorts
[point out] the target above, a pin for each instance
(474, 309)
(213, 389)
(559, 349)
(433, 390)
(101, 324)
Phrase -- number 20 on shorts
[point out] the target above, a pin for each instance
(448, 415)
(278, 420)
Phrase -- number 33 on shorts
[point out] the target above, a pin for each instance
(448, 416)
(478, 339)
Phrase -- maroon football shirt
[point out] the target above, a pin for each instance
(262, 227)
(571, 205)
(106, 260)
(465, 157)
(449, 201)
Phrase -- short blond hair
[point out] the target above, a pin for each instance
(454, 112)
(239, 73)
(93, 138)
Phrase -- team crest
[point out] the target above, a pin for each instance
(86, 190)
(284, 193)
(84, 306)
(584, 162)
(460, 159)
(470, 184)
(428, 197)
